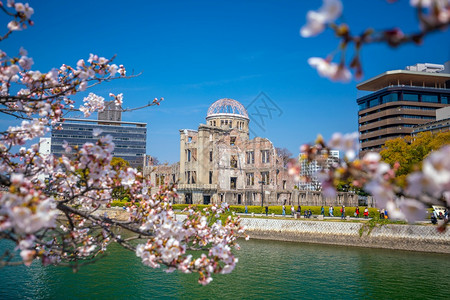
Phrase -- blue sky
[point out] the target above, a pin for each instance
(195, 52)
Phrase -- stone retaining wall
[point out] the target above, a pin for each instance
(402, 237)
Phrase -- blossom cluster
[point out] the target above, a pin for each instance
(430, 186)
(22, 15)
(49, 205)
(202, 230)
(433, 15)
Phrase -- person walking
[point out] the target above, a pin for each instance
(284, 211)
(292, 210)
(366, 213)
(357, 212)
(267, 211)
(246, 209)
(299, 211)
(322, 211)
(343, 212)
(330, 210)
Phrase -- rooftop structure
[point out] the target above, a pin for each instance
(112, 112)
(400, 100)
(228, 107)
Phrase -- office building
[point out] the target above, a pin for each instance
(399, 100)
(130, 138)
(442, 123)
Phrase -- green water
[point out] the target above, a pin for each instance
(266, 270)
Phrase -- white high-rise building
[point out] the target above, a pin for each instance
(45, 144)
(310, 169)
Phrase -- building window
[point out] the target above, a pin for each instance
(194, 177)
(188, 155)
(284, 184)
(231, 124)
(410, 97)
(233, 161)
(445, 99)
(188, 176)
(250, 179)
(233, 181)
(210, 177)
(232, 140)
(430, 98)
(265, 177)
(265, 156)
(210, 156)
(389, 98)
(373, 102)
(189, 139)
(250, 157)
(362, 106)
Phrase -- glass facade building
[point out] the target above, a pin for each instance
(130, 138)
(399, 101)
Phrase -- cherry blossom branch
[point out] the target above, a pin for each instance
(427, 187)
(433, 15)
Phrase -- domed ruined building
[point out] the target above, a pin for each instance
(219, 163)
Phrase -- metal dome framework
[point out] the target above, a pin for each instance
(228, 107)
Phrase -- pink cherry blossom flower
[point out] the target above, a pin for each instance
(330, 70)
(436, 167)
(412, 209)
(26, 62)
(317, 20)
(96, 132)
(27, 256)
(347, 143)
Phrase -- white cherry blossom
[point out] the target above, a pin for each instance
(317, 20)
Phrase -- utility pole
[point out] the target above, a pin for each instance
(262, 192)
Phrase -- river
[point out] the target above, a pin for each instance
(266, 270)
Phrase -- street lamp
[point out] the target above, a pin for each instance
(262, 192)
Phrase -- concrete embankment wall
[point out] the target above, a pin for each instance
(401, 237)
(424, 238)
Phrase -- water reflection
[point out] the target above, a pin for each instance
(266, 269)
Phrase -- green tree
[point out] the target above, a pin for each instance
(408, 152)
(119, 192)
(119, 163)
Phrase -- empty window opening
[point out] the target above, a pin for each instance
(233, 161)
(265, 177)
(250, 179)
(233, 181)
(250, 157)
(264, 156)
